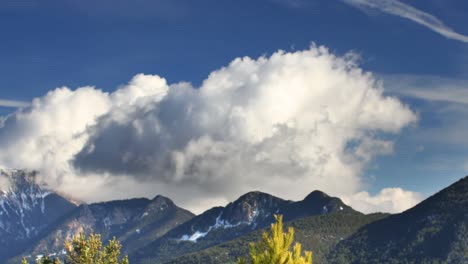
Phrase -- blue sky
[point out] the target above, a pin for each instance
(49, 44)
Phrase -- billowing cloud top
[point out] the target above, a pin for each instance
(286, 124)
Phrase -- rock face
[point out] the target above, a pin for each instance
(434, 231)
(135, 222)
(316, 203)
(256, 210)
(26, 210)
(34, 220)
(251, 211)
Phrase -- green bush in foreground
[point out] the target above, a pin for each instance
(82, 250)
(275, 246)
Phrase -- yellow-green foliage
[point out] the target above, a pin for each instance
(90, 251)
(45, 260)
(275, 247)
(82, 250)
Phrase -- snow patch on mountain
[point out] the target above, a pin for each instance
(221, 223)
(23, 198)
(195, 236)
(324, 209)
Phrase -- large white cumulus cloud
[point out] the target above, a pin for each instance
(48, 133)
(286, 124)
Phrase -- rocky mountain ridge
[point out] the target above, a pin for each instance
(250, 212)
(27, 209)
(134, 222)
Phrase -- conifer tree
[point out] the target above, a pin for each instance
(275, 247)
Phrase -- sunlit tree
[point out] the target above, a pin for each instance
(82, 250)
(275, 247)
(90, 251)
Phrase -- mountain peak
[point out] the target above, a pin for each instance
(255, 195)
(159, 198)
(23, 192)
(26, 209)
(20, 179)
(251, 206)
(316, 195)
(161, 203)
(316, 203)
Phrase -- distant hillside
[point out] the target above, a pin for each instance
(250, 212)
(316, 233)
(135, 222)
(434, 231)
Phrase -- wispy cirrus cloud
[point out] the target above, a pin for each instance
(13, 103)
(397, 8)
(442, 105)
(429, 88)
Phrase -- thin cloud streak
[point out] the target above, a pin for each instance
(452, 95)
(429, 88)
(13, 103)
(400, 9)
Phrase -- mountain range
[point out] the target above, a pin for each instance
(252, 211)
(35, 220)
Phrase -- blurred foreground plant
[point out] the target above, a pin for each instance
(82, 250)
(275, 247)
